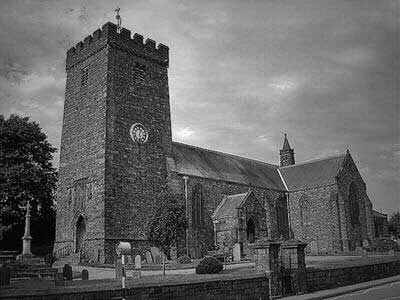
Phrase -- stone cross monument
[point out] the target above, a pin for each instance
(26, 239)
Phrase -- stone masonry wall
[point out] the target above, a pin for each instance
(331, 278)
(201, 239)
(82, 153)
(322, 233)
(135, 174)
(251, 286)
(126, 83)
(355, 234)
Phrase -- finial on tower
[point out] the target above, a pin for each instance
(286, 153)
(119, 20)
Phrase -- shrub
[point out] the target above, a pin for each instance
(184, 259)
(209, 265)
(385, 244)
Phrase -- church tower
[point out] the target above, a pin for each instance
(287, 154)
(116, 141)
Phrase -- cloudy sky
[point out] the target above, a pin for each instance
(241, 74)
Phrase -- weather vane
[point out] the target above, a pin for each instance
(119, 20)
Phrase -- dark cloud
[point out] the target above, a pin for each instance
(241, 74)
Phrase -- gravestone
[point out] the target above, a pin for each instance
(173, 253)
(118, 269)
(391, 252)
(149, 258)
(155, 252)
(236, 252)
(5, 274)
(85, 274)
(136, 274)
(138, 262)
(67, 272)
(59, 279)
(129, 259)
(314, 247)
(365, 244)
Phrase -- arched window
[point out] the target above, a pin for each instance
(282, 217)
(198, 196)
(353, 203)
(305, 210)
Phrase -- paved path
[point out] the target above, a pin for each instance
(382, 289)
(109, 273)
(384, 292)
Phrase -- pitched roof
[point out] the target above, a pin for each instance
(195, 161)
(229, 204)
(312, 173)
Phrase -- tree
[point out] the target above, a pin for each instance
(394, 224)
(26, 174)
(168, 222)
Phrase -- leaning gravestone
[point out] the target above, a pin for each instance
(5, 274)
(236, 252)
(149, 258)
(67, 272)
(85, 274)
(138, 262)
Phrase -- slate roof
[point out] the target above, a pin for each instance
(313, 173)
(229, 204)
(195, 161)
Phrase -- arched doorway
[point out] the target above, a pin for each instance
(80, 233)
(251, 231)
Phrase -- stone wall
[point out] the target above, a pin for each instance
(113, 81)
(322, 232)
(353, 234)
(135, 173)
(331, 278)
(201, 239)
(82, 153)
(252, 286)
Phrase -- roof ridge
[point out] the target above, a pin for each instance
(313, 160)
(228, 154)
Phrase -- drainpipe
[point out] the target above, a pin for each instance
(185, 179)
(289, 220)
(287, 202)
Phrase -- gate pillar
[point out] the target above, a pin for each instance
(266, 257)
(293, 262)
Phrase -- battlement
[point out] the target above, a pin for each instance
(108, 35)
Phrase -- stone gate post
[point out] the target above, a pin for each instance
(266, 257)
(293, 261)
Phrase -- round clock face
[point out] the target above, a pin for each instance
(139, 133)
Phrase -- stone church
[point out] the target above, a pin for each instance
(117, 154)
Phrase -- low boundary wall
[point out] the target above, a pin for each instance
(322, 279)
(221, 286)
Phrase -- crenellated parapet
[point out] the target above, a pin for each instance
(109, 36)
